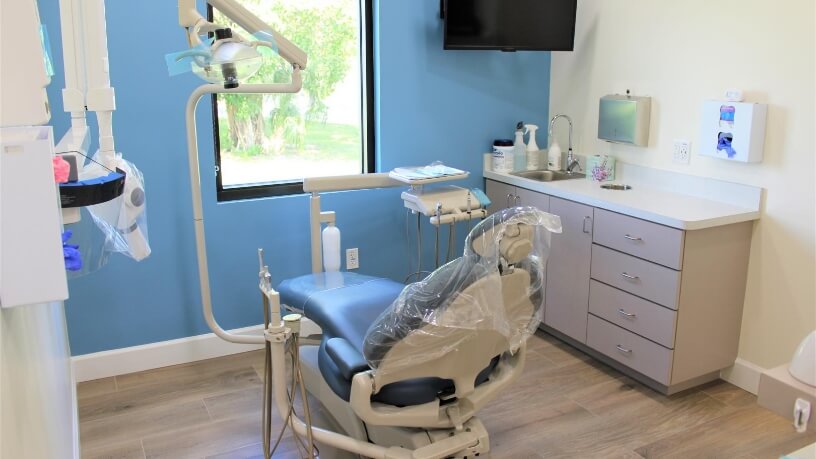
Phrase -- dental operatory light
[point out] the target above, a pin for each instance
(230, 61)
(227, 57)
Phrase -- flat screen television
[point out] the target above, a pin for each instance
(510, 25)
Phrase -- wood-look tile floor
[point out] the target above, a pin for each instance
(565, 405)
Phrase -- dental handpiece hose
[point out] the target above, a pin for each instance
(436, 246)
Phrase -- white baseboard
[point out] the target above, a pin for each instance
(156, 355)
(744, 375)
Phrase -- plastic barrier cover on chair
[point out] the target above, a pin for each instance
(467, 294)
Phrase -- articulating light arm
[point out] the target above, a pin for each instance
(195, 187)
(243, 17)
(190, 19)
(195, 24)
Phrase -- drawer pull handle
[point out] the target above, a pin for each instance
(627, 314)
(633, 238)
(509, 195)
(584, 227)
(629, 276)
(518, 200)
(623, 349)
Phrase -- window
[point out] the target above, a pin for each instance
(265, 145)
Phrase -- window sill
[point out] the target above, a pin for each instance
(242, 193)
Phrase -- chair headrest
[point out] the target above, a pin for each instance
(512, 232)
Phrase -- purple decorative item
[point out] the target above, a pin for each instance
(599, 172)
(73, 261)
(600, 168)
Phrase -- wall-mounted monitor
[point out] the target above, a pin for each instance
(510, 25)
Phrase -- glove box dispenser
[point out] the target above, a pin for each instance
(625, 119)
(734, 131)
(32, 268)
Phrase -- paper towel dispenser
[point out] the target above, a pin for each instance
(624, 119)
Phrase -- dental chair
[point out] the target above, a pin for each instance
(407, 368)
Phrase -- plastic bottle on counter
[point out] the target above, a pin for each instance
(554, 156)
(331, 248)
(532, 147)
(502, 158)
(519, 149)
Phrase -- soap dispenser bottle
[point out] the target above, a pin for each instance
(554, 156)
(519, 148)
(532, 147)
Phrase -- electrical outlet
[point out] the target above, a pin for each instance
(352, 258)
(682, 152)
(801, 414)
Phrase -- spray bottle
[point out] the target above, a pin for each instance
(532, 147)
(519, 148)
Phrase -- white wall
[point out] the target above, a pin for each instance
(681, 53)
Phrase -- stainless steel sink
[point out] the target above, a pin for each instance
(549, 176)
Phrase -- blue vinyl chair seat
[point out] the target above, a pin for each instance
(345, 305)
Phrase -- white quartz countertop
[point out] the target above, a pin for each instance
(668, 208)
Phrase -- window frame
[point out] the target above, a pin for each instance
(367, 155)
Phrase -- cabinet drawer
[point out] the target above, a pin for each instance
(500, 195)
(642, 278)
(635, 314)
(535, 199)
(637, 353)
(640, 238)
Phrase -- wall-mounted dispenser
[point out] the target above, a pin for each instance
(733, 130)
(625, 119)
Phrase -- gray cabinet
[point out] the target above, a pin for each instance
(647, 240)
(568, 269)
(628, 311)
(503, 196)
(645, 279)
(636, 352)
(660, 304)
(531, 198)
(664, 302)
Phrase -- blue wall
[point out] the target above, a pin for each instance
(431, 105)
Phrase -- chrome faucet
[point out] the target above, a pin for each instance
(572, 163)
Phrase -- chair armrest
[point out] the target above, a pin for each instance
(346, 357)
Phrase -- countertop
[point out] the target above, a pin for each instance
(668, 208)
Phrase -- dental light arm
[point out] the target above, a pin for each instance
(191, 19)
(195, 24)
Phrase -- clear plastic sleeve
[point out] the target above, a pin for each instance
(497, 285)
(123, 220)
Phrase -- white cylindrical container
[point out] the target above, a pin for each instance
(554, 157)
(331, 248)
(502, 160)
